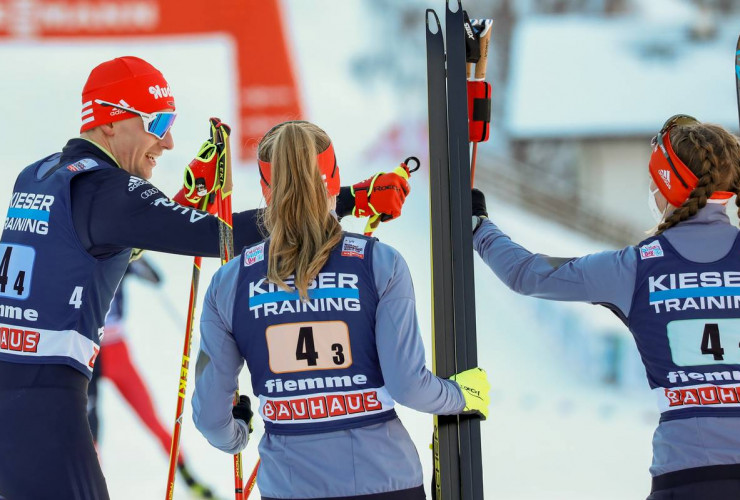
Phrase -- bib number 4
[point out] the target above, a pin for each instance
(710, 343)
(704, 341)
(306, 347)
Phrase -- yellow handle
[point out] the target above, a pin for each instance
(372, 224)
(400, 171)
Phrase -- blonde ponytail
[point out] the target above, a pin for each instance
(302, 230)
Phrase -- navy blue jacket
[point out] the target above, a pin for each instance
(73, 220)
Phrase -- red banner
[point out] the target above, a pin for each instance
(267, 92)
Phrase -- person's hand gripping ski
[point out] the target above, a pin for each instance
(475, 388)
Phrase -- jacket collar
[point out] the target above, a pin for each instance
(83, 148)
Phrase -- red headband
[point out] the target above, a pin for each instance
(328, 168)
(673, 178)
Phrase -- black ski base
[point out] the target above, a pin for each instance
(458, 472)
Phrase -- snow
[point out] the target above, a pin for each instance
(553, 432)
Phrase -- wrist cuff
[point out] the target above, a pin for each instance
(345, 202)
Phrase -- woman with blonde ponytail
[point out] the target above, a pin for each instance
(678, 292)
(326, 322)
(298, 217)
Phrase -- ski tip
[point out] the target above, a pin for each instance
(429, 14)
(459, 5)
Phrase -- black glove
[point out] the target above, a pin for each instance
(479, 203)
(243, 410)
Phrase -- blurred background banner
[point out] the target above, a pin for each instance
(579, 88)
(266, 87)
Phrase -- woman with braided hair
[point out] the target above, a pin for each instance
(677, 291)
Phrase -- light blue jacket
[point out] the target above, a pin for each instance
(608, 278)
(373, 459)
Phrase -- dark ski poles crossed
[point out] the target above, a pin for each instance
(458, 471)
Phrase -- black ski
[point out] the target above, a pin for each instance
(466, 344)
(446, 482)
(457, 447)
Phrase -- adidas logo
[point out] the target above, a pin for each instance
(119, 111)
(135, 182)
(666, 176)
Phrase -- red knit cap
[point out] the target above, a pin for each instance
(129, 81)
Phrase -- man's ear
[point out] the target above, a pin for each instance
(107, 129)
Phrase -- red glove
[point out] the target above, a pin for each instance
(382, 194)
(211, 207)
(201, 174)
(201, 178)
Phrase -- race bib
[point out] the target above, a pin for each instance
(16, 269)
(315, 345)
(704, 341)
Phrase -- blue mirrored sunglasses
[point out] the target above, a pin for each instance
(157, 124)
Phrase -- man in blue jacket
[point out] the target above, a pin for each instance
(73, 220)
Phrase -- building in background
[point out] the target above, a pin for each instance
(579, 89)
(586, 95)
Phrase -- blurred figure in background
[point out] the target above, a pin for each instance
(115, 364)
(677, 291)
(326, 322)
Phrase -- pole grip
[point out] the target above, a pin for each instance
(482, 64)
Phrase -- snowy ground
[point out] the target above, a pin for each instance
(553, 433)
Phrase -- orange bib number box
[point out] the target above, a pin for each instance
(307, 346)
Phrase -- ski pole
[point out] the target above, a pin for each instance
(476, 113)
(252, 480)
(220, 133)
(182, 385)
(402, 171)
(183, 381)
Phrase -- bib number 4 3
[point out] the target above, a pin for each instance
(317, 345)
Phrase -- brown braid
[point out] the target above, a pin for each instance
(713, 155)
